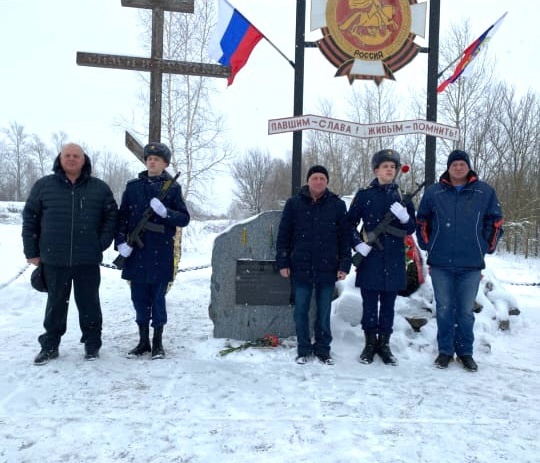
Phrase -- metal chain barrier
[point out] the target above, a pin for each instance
(519, 284)
(11, 280)
(185, 269)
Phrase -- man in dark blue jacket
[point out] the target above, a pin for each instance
(150, 268)
(459, 220)
(68, 221)
(381, 273)
(313, 249)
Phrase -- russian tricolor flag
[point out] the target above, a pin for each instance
(234, 39)
(469, 54)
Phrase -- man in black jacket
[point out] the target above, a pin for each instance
(69, 219)
(313, 249)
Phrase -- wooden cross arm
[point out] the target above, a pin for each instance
(178, 6)
(147, 64)
(134, 146)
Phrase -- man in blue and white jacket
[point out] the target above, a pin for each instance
(458, 221)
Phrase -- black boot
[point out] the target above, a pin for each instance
(157, 347)
(144, 342)
(369, 349)
(383, 349)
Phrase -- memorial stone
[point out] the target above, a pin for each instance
(249, 298)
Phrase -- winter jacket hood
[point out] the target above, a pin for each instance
(472, 176)
(86, 171)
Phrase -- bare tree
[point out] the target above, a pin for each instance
(278, 185)
(516, 147)
(372, 104)
(59, 139)
(335, 153)
(191, 125)
(113, 170)
(42, 156)
(5, 192)
(412, 146)
(259, 182)
(348, 158)
(17, 150)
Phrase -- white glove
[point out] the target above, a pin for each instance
(158, 207)
(125, 249)
(363, 248)
(400, 212)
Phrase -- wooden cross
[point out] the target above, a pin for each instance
(156, 65)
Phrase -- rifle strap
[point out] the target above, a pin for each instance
(154, 227)
(399, 232)
(381, 227)
(166, 185)
(164, 188)
(376, 242)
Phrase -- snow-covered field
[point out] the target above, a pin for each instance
(257, 405)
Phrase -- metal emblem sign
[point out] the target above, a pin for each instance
(368, 39)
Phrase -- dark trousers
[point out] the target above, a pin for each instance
(85, 280)
(149, 303)
(374, 319)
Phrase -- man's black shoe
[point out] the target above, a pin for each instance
(468, 363)
(443, 360)
(45, 355)
(91, 354)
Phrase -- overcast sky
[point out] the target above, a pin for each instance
(44, 90)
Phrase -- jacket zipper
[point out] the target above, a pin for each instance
(72, 225)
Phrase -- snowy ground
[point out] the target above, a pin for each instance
(258, 405)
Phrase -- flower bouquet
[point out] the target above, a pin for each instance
(413, 267)
(268, 340)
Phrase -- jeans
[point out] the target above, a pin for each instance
(375, 320)
(455, 292)
(322, 332)
(149, 303)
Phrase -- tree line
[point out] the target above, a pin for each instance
(25, 157)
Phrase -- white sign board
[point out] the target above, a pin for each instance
(354, 129)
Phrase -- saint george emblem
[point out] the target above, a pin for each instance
(368, 39)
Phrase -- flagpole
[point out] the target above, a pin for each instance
(279, 51)
(264, 36)
(448, 67)
(433, 69)
(298, 107)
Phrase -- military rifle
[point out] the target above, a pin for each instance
(135, 237)
(372, 238)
